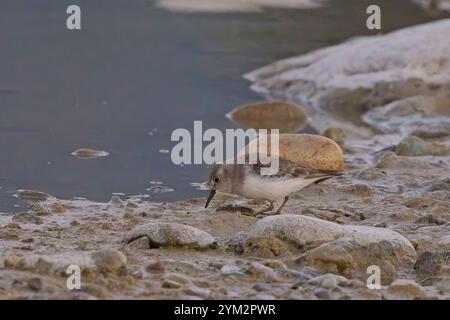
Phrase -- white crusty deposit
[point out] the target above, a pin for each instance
(343, 81)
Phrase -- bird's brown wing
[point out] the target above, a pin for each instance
(291, 169)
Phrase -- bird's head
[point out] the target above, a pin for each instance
(219, 180)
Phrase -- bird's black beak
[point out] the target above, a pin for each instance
(211, 195)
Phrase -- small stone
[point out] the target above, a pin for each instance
(35, 284)
(370, 174)
(431, 219)
(338, 135)
(266, 272)
(94, 290)
(322, 293)
(86, 153)
(444, 242)
(228, 270)
(408, 289)
(329, 280)
(198, 292)
(140, 244)
(10, 260)
(437, 185)
(235, 208)
(415, 146)
(177, 277)
(58, 207)
(35, 263)
(115, 200)
(32, 195)
(156, 267)
(170, 284)
(109, 260)
(74, 223)
(329, 258)
(361, 190)
(25, 217)
(265, 247)
(262, 287)
(430, 263)
(390, 160)
(444, 286)
(135, 272)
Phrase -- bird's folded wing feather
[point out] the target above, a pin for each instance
(290, 169)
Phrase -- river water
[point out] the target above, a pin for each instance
(132, 75)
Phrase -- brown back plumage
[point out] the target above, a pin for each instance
(290, 169)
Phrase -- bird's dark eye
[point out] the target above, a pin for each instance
(216, 179)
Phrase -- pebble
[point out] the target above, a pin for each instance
(329, 280)
(35, 284)
(322, 293)
(407, 289)
(157, 267)
(109, 260)
(25, 217)
(198, 292)
(415, 146)
(229, 269)
(262, 287)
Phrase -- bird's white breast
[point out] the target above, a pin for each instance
(267, 188)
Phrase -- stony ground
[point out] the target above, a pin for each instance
(318, 249)
(389, 212)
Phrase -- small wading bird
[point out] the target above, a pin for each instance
(246, 180)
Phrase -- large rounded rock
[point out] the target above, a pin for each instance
(285, 116)
(308, 232)
(309, 150)
(171, 234)
(347, 250)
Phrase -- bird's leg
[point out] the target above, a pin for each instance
(282, 205)
(269, 208)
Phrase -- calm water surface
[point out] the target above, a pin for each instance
(135, 69)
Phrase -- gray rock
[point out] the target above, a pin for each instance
(338, 135)
(171, 234)
(260, 269)
(196, 291)
(329, 280)
(26, 217)
(35, 284)
(329, 258)
(262, 287)
(306, 231)
(444, 285)
(415, 146)
(390, 160)
(32, 195)
(322, 293)
(438, 185)
(430, 263)
(229, 269)
(109, 260)
(406, 289)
